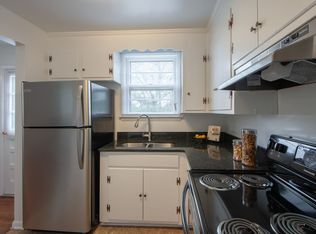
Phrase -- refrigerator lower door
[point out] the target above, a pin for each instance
(56, 179)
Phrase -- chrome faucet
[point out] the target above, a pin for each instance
(148, 134)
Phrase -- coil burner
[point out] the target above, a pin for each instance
(255, 181)
(219, 182)
(240, 226)
(283, 223)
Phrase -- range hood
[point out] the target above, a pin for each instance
(290, 62)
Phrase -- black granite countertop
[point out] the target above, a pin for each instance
(201, 155)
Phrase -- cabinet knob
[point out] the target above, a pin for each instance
(140, 195)
(145, 195)
(4, 133)
(253, 29)
(188, 93)
(75, 69)
(83, 69)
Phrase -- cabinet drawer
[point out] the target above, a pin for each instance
(144, 160)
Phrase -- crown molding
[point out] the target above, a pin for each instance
(127, 32)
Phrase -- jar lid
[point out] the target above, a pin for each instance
(248, 131)
(237, 141)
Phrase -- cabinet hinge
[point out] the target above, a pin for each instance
(204, 58)
(108, 179)
(232, 48)
(110, 57)
(204, 100)
(50, 72)
(178, 210)
(50, 58)
(178, 181)
(231, 94)
(108, 208)
(110, 71)
(230, 22)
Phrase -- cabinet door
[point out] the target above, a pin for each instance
(245, 17)
(275, 14)
(95, 61)
(194, 81)
(161, 195)
(220, 58)
(126, 184)
(63, 61)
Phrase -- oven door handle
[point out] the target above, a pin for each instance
(185, 226)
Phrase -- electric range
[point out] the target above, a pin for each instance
(280, 200)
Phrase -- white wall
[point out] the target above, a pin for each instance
(191, 42)
(301, 126)
(30, 64)
(7, 55)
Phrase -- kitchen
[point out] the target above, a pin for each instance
(285, 112)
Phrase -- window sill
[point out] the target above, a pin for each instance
(158, 117)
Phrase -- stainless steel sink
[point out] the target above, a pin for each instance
(147, 145)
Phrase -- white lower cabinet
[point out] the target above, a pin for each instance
(125, 186)
(141, 188)
(161, 195)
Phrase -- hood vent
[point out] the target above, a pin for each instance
(290, 62)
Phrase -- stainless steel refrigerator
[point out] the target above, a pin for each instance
(64, 124)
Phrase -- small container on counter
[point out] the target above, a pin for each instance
(249, 146)
(237, 149)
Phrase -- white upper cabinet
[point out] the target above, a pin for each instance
(63, 59)
(244, 31)
(194, 80)
(219, 62)
(95, 61)
(273, 15)
(219, 68)
(73, 58)
(255, 21)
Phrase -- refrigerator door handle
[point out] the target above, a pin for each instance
(81, 147)
(80, 114)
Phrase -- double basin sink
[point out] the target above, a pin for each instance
(146, 145)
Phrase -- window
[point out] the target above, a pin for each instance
(151, 83)
(9, 101)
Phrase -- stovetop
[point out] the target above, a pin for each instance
(255, 205)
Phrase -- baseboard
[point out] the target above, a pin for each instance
(17, 225)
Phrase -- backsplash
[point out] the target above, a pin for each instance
(300, 126)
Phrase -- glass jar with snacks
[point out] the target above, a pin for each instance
(249, 146)
(237, 149)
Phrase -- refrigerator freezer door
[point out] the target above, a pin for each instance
(56, 104)
(57, 179)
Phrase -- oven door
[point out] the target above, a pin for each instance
(190, 218)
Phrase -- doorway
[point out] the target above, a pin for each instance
(7, 118)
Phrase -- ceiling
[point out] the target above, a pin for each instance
(99, 15)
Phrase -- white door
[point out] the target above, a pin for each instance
(244, 32)
(161, 195)
(125, 190)
(8, 131)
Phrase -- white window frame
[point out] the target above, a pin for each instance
(9, 104)
(127, 58)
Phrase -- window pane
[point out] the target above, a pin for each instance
(152, 66)
(153, 101)
(147, 106)
(151, 94)
(152, 73)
